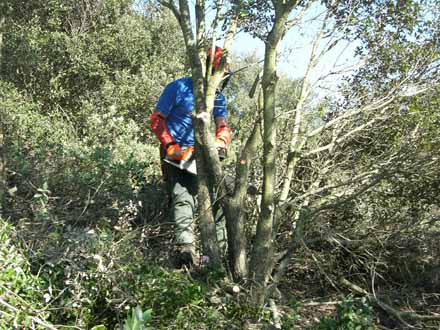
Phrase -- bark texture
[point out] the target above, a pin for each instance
(262, 255)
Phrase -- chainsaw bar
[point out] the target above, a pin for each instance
(185, 165)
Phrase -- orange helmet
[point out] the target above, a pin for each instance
(216, 60)
(217, 57)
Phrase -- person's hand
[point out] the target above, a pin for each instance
(174, 152)
(222, 136)
(220, 144)
(187, 153)
(221, 152)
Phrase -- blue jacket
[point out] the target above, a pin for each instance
(176, 104)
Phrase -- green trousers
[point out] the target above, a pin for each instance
(182, 188)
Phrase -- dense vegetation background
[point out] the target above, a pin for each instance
(84, 232)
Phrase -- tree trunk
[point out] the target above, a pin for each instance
(204, 151)
(204, 141)
(234, 206)
(262, 251)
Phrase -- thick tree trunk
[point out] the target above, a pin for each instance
(206, 218)
(262, 250)
(204, 152)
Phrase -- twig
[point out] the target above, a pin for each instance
(89, 199)
(398, 314)
(32, 318)
(320, 266)
(275, 314)
(4, 303)
(320, 303)
(41, 322)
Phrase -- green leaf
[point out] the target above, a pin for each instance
(99, 327)
(138, 311)
(148, 315)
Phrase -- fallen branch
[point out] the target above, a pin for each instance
(320, 303)
(396, 313)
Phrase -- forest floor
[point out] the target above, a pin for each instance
(309, 294)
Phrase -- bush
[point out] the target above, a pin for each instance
(21, 293)
(350, 315)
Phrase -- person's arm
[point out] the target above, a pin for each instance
(222, 133)
(158, 122)
(159, 127)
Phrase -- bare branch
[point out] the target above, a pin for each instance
(358, 178)
(171, 5)
(294, 21)
(200, 20)
(339, 201)
(295, 144)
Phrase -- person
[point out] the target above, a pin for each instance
(171, 122)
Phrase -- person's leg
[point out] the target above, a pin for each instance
(220, 226)
(183, 206)
(183, 193)
(219, 216)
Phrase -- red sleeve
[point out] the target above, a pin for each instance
(159, 127)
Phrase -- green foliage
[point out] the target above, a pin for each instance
(45, 150)
(350, 315)
(137, 319)
(78, 82)
(21, 292)
(396, 40)
(165, 292)
(108, 56)
(257, 16)
(95, 276)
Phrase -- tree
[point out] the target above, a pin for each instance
(204, 91)
(323, 154)
(88, 87)
(321, 150)
(204, 86)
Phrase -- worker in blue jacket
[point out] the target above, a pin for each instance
(172, 124)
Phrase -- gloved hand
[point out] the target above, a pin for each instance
(222, 139)
(174, 152)
(221, 153)
(187, 153)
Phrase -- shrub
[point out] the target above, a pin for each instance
(21, 293)
(350, 315)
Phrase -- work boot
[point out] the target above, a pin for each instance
(185, 256)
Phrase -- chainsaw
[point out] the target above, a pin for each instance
(188, 163)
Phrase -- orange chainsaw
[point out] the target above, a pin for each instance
(187, 161)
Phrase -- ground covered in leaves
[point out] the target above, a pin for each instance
(118, 276)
